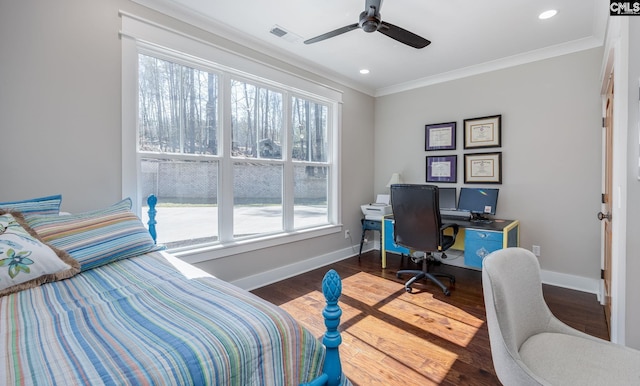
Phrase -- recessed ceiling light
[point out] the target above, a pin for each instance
(364, 71)
(547, 14)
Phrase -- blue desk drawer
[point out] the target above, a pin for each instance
(473, 234)
(479, 244)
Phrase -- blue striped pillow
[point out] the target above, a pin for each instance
(40, 205)
(97, 237)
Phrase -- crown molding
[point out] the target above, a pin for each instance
(511, 61)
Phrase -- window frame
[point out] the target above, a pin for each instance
(142, 37)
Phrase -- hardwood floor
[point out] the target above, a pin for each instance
(391, 337)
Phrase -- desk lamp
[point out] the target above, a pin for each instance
(396, 178)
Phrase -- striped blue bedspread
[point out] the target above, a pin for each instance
(151, 320)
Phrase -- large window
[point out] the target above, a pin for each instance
(231, 157)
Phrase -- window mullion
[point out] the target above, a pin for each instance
(181, 118)
(225, 178)
(288, 182)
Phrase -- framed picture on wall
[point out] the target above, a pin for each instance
(440, 136)
(442, 168)
(483, 168)
(483, 132)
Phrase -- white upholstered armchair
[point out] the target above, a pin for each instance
(530, 346)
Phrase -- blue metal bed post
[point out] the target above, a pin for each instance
(152, 200)
(332, 289)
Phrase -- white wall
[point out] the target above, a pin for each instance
(551, 150)
(60, 114)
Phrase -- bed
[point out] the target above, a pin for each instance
(115, 309)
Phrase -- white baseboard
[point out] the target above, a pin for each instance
(557, 279)
(262, 279)
(268, 277)
(573, 282)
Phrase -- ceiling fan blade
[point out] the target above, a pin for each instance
(402, 35)
(331, 34)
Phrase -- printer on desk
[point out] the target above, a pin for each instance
(377, 210)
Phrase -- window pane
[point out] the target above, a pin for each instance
(256, 119)
(309, 124)
(187, 200)
(257, 198)
(178, 108)
(310, 196)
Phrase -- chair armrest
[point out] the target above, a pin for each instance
(455, 228)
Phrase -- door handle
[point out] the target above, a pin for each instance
(602, 216)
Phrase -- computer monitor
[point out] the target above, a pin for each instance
(448, 197)
(479, 202)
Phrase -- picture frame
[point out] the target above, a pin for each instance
(442, 168)
(483, 132)
(483, 168)
(440, 136)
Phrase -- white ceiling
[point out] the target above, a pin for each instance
(468, 36)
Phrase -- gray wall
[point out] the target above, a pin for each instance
(551, 146)
(60, 118)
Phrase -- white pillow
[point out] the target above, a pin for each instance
(25, 260)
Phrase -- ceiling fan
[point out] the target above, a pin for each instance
(370, 21)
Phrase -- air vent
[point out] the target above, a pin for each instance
(284, 34)
(279, 32)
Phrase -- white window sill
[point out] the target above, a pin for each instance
(216, 251)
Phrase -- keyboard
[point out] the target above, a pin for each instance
(463, 217)
(481, 221)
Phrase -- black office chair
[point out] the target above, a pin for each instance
(418, 227)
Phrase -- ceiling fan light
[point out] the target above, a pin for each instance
(547, 14)
(370, 26)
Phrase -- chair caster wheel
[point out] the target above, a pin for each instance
(408, 289)
(447, 293)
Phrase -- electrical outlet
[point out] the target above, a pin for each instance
(536, 250)
(347, 234)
